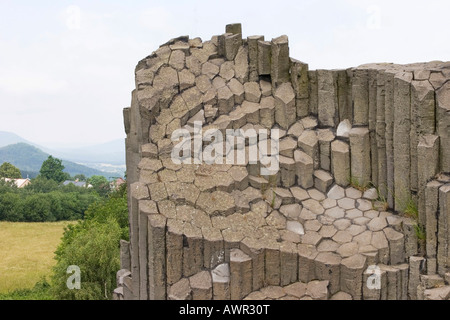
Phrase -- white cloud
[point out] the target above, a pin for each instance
(27, 83)
(157, 19)
(73, 17)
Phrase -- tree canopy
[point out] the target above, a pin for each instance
(100, 184)
(52, 169)
(7, 170)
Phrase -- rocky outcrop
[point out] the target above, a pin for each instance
(325, 219)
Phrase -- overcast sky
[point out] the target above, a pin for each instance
(67, 67)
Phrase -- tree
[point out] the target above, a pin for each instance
(93, 245)
(100, 184)
(42, 185)
(7, 170)
(80, 177)
(52, 169)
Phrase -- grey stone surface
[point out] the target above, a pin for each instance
(352, 275)
(264, 57)
(327, 98)
(340, 162)
(201, 286)
(240, 274)
(285, 112)
(305, 169)
(281, 63)
(231, 232)
(427, 168)
(442, 117)
(360, 158)
(221, 282)
(180, 290)
(443, 226)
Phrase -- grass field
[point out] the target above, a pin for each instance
(26, 253)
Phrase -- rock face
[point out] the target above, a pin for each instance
(249, 176)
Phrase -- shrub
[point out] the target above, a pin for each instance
(93, 246)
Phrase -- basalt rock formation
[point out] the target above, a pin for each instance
(360, 205)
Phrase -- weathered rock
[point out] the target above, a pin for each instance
(341, 296)
(442, 293)
(237, 89)
(416, 266)
(305, 169)
(285, 111)
(318, 290)
(327, 267)
(201, 286)
(309, 123)
(401, 138)
(336, 193)
(360, 158)
(443, 252)
(221, 282)
(272, 263)
(306, 265)
(241, 64)
(288, 263)
(180, 290)
(252, 92)
(428, 167)
(360, 97)
(396, 246)
(343, 129)
(443, 122)
(254, 250)
(309, 144)
(280, 61)
(156, 257)
(225, 100)
(253, 56)
(340, 162)
(125, 256)
(352, 270)
(288, 169)
(431, 198)
(327, 98)
(325, 136)
(313, 92)
(322, 180)
(192, 250)
(264, 57)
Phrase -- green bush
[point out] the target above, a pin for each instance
(40, 291)
(10, 204)
(93, 246)
(44, 201)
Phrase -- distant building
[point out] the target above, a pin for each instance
(117, 183)
(20, 183)
(81, 184)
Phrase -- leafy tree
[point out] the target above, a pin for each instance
(93, 245)
(52, 169)
(94, 248)
(100, 184)
(80, 177)
(7, 170)
(42, 185)
(7, 186)
(10, 204)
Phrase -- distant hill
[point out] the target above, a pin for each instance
(106, 157)
(29, 160)
(7, 138)
(112, 152)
